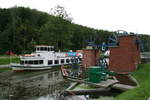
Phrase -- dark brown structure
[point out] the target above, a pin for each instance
(125, 57)
(90, 57)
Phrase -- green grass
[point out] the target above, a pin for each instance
(7, 60)
(84, 86)
(143, 73)
(143, 91)
(4, 69)
(104, 98)
(145, 53)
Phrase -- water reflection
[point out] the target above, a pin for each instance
(45, 85)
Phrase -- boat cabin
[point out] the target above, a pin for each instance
(44, 58)
(44, 48)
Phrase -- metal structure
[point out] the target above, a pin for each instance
(113, 41)
(98, 74)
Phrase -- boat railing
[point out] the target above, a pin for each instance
(14, 64)
(31, 57)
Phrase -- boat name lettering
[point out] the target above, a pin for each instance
(60, 57)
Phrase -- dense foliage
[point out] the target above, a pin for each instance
(141, 92)
(23, 28)
(145, 39)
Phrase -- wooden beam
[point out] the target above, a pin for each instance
(101, 91)
(103, 84)
(123, 87)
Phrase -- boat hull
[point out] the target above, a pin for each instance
(18, 68)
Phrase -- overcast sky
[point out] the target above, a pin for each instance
(129, 15)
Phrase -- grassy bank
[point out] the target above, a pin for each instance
(142, 92)
(7, 60)
(5, 69)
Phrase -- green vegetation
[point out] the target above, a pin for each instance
(84, 86)
(7, 60)
(143, 73)
(142, 92)
(148, 53)
(104, 98)
(4, 69)
(146, 42)
(23, 28)
(139, 93)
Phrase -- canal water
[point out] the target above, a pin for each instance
(36, 85)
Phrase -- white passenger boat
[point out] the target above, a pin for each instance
(44, 58)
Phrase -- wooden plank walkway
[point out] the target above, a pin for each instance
(73, 85)
(107, 83)
(112, 83)
(103, 84)
(103, 91)
(123, 87)
(74, 98)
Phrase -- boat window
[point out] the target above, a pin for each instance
(35, 61)
(22, 62)
(48, 49)
(76, 60)
(45, 49)
(30, 62)
(72, 60)
(50, 62)
(38, 49)
(40, 61)
(80, 59)
(62, 61)
(26, 62)
(52, 49)
(56, 61)
(67, 60)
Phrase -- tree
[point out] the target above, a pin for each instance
(23, 28)
(60, 12)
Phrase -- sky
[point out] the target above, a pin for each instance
(112, 15)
